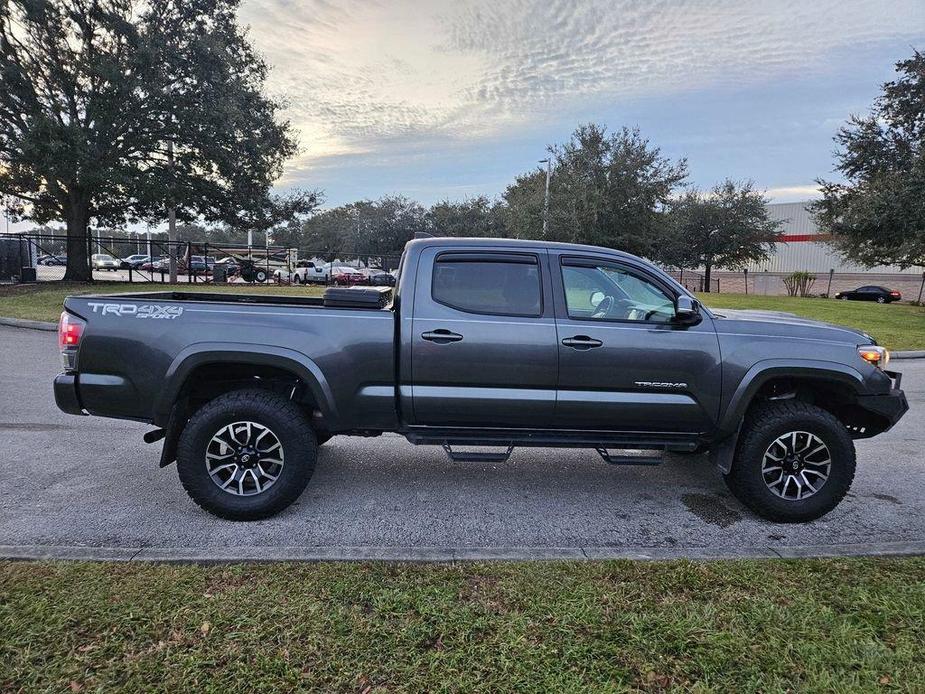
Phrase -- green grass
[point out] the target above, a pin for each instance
(44, 301)
(896, 326)
(813, 625)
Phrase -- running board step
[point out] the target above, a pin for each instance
(612, 459)
(477, 456)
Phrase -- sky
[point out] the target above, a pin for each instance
(440, 99)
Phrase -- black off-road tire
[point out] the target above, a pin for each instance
(765, 424)
(288, 423)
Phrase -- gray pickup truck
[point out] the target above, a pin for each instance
(486, 343)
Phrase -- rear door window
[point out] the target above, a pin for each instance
(501, 285)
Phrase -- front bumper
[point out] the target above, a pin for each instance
(66, 397)
(890, 406)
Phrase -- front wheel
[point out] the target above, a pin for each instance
(794, 463)
(246, 455)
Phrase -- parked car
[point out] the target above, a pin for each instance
(201, 264)
(488, 342)
(379, 278)
(347, 276)
(881, 295)
(305, 272)
(134, 261)
(52, 260)
(104, 261)
(230, 265)
(151, 264)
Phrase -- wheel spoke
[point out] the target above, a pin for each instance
(794, 457)
(236, 463)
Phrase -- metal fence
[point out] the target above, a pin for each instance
(695, 281)
(43, 258)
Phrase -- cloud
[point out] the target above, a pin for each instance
(793, 193)
(395, 77)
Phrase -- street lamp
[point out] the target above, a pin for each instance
(548, 163)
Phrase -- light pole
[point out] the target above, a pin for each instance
(548, 163)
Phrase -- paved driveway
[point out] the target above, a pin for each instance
(82, 481)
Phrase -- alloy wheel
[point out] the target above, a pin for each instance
(796, 465)
(244, 458)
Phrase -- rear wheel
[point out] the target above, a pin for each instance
(881, 300)
(794, 463)
(246, 455)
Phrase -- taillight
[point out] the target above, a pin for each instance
(896, 294)
(70, 330)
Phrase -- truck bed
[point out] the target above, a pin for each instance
(139, 349)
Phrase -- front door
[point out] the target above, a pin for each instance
(625, 364)
(484, 348)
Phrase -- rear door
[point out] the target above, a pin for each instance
(624, 363)
(483, 343)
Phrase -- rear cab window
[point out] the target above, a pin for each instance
(499, 284)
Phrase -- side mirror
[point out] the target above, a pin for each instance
(686, 310)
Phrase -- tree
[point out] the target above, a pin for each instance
(727, 228)
(384, 226)
(606, 190)
(478, 216)
(326, 234)
(112, 110)
(877, 216)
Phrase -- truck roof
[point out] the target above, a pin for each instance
(476, 241)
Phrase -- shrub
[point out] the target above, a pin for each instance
(799, 283)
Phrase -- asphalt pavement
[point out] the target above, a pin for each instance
(71, 485)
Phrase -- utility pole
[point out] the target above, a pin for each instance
(171, 224)
(548, 162)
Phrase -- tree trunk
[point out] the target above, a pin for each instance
(78, 261)
(707, 271)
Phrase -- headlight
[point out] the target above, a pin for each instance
(872, 354)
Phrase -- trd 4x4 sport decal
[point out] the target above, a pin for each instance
(154, 311)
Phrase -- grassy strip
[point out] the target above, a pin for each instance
(815, 625)
(43, 301)
(897, 326)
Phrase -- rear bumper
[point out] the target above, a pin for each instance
(66, 397)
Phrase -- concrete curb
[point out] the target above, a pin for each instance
(915, 354)
(225, 555)
(51, 327)
(30, 324)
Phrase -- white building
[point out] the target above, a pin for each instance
(804, 248)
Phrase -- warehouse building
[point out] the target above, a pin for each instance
(804, 248)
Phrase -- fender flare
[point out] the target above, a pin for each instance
(722, 452)
(763, 371)
(202, 353)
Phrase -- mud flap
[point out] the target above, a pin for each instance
(722, 453)
(179, 416)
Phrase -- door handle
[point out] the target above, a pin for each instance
(441, 336)
(581, 342)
